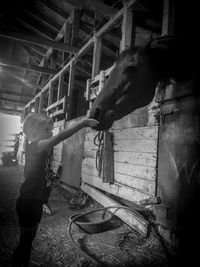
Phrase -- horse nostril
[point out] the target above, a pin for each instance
(97, 114)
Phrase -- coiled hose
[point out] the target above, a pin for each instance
(95, 261)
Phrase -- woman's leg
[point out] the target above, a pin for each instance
(29, 214)
(22, 254)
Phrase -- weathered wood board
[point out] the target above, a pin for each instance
(133, 219)
(135, 157)
(57, 150)
(72, 154)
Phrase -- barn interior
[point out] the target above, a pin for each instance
(55, 57)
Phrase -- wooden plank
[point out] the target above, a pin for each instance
(136, 133)
(50, 96)
(76, 15)
(14, 93)
(148, 146)
(139, 146)
(57, 103)
(11, 111)
(96, 57)
(145, 186)
(114, 19)
(88, 45)
(168, 17)
(145, 172)
(145, 159)
(94, 5)
(139, 171)
(24, 66)
(131, 218)
(40, 41)
(122, 191)
(138, 118)
(19, 82)
(41, 103)
(19, 101)
(137, 183)
(128, 35)
(70, 107)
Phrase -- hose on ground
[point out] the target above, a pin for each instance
(95, 261)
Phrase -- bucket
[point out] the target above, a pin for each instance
(95, 222)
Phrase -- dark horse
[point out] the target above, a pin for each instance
(136, 74)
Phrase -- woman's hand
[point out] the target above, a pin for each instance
(87, 122)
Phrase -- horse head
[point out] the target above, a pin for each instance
(133, 80)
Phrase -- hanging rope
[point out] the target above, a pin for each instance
(98, 141)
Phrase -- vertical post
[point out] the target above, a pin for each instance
(36, 104)
(60, 87)
(168, 18)
(54, 59)
(75, 26)
(41, 104)
(96, 57)
(128, 29)
(70, 104)
(50, 97)
(67, 38)
(29, 108)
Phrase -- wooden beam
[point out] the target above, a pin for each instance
(13, 93)
(35, 30)
(41, 103)
(132, 218)
(89, 44)
(54, 8)
(67, 38)
(21, 83)
(168, 17)
(11, 111)
(40, 41)
(33, 55)
(50, 96)
(128, 33)
(40, 50)
(96, 57)
(25, 66)
(94, 5)
(44, 20)
(19, 102)
(70, 104)
(75, 26)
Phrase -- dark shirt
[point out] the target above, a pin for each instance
(36, 174)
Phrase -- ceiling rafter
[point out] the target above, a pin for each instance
(54, 8)
(42, 19)
(11, 110)
(93, 5)
(40, 41)
(35, 29)
(31, 67)
(32, 54)
(19, 102)
(20, 82)
(13, 93)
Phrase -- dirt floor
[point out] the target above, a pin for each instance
(120, 246)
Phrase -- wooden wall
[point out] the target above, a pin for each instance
(57, 150)
(72, 153)
(135, 157)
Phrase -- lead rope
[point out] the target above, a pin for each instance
(98, 141)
